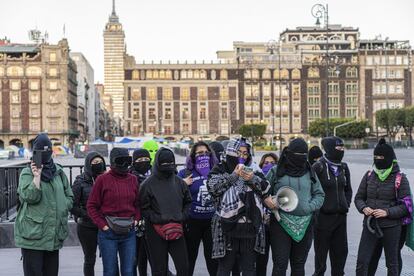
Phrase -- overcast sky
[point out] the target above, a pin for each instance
(192, 29)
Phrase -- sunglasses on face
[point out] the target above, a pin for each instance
(142, 159)
(243, 153)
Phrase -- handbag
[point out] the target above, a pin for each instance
(120, 226)
(170, 231)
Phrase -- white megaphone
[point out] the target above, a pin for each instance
(286, 200)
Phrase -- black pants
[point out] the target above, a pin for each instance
(40, 262)
(198, 230)
(373, 264)
(262, 259)
(246, 259)
(285, 249)
(330, 235)
(158, 250)
(88, 238)
(368, 245)
(142, 258)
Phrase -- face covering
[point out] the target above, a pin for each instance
(142, 167)
(266, 168)
(97, 169)
(296, 160)
(242, 160)
(383, 164)
(46, 156)
(335, 156)
(122, 164)
(202, 164)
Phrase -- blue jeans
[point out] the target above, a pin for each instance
(110, 244)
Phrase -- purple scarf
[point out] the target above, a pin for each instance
(202, 164)
(267, 168)
(334, 167)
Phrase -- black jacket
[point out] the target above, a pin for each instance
(338, 189)
(382, 195)
(164, 199)
(82, 186)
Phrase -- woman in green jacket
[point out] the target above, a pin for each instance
(291, 236)
(42, 220)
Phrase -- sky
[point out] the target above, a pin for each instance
(192, 29)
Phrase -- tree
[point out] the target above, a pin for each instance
(253, 131)
(391, 120)
(408, 124)
(354, 130)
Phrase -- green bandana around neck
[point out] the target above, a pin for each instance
(383, 174)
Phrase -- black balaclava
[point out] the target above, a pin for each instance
(165, 161)
(315, 152)
(329, 144)
(93, 170)
(294, 159)
(120, 160)
(384, 149)
(218, 149)
(43, 143)
(144, 166)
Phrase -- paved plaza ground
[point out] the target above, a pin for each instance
(359, 162)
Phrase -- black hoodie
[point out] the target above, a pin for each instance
(164, 198)
(81, 189)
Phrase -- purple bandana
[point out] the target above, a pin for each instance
(266, 168)
(242, 160)
(202, 164)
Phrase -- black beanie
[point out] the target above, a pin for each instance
(314, 153)
(117, 152)
(329, 144)
(166, 156)
(384, 149)
(138, 153)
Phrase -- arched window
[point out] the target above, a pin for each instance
(248, 74)
(190, 74)
(196, 74)
(313, 72)
(162, 74)
(296, 74)
(351, 72)
(266, 74)
(284, 74)
(148, 74)
(168, 74)
(33, 71)
(183, 74)
(15, 71)
(255, 74)
(223, 74)
(203, 74)
(135, 75)
(277, 74)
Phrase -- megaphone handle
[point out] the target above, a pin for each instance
(276, 212)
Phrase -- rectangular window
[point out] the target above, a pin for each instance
(52, 57)
(167, 130)
(168, 113)
(52, 72)
(333, 88)
(152, 94)
(167, 94)
(313, 88)
(136, 114)
(224, 94)
(203, 113)
(202, 128)
(136, 94)
(16, 124)
(53, 98)
(185, 128)
(224, 114)
(15, 85)
(53, 85)
(34, 85)
(15, 97)
(151, 113)
(202, 94)
(266, 91)
(35, 111)
(34, 124)
(185, 94)
(15, 111)
(185, 114)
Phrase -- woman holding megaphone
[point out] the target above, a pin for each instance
(297, 195)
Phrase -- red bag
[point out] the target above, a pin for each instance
(170, 231)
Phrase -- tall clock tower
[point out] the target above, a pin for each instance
(114, 47)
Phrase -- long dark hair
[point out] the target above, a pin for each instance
(266, 155)
(190, 162)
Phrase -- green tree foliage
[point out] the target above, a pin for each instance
(392, 120)
(354, 130)
(253, 131)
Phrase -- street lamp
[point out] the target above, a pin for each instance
(320, 11)
(270, 47)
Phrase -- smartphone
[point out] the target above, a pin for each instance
(37, 158)
(247, 169)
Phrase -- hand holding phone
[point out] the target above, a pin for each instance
(37, 172)
(37, 158)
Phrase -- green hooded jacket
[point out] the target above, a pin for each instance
(42, 220)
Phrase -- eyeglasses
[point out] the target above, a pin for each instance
(202, 152)
(142, 159)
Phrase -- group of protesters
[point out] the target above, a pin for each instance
(143, 211)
